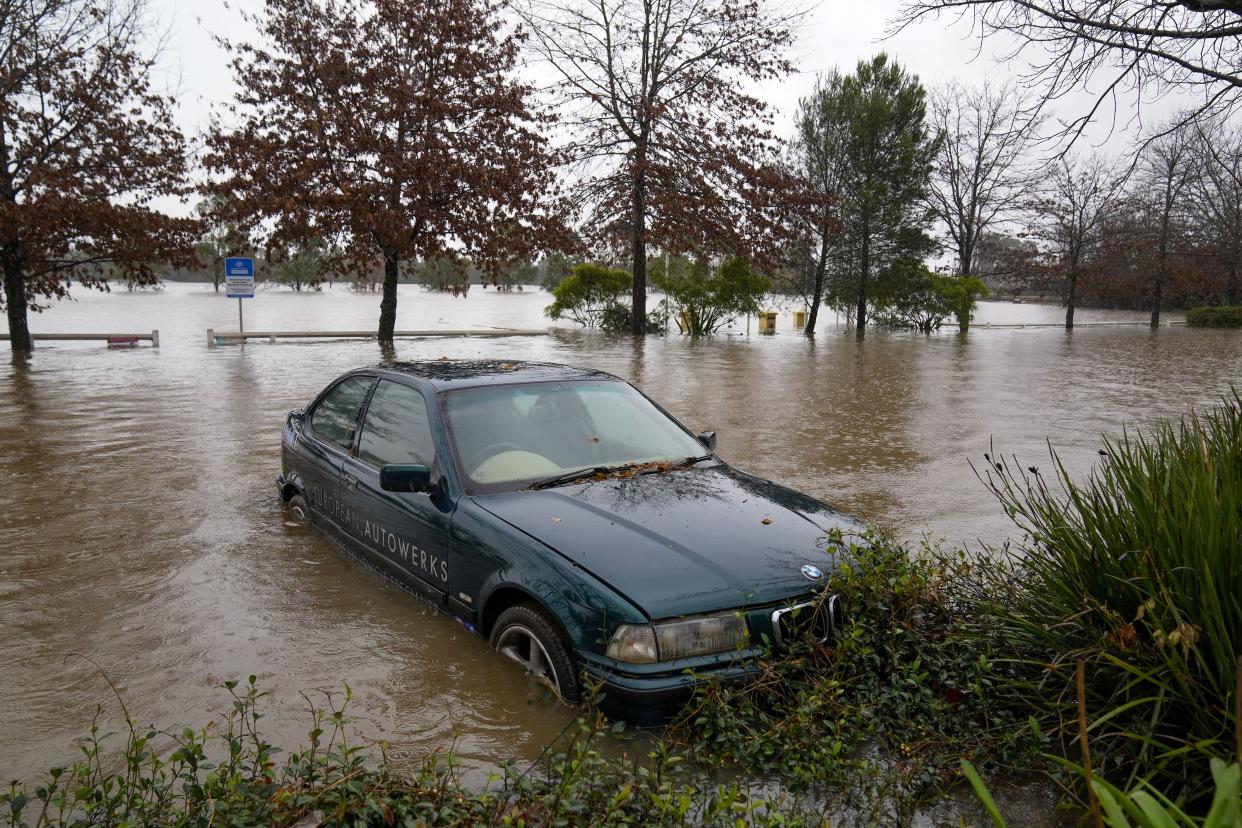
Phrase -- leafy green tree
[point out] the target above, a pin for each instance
(300, 266)
(815, 160)
(220, 240)
(588, 294)
(444, 273)
(702, 298)
(883, 162)
(556, 267)
(515, 273)
(963, 293)
(915, 297)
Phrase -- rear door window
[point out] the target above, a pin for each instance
(336, 416)
(396, 428)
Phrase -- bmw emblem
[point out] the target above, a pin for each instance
(812, 572)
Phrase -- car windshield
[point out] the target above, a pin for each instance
(510, 436)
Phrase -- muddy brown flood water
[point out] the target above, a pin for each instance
(140, 527)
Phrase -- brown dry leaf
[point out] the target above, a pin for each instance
(767, 521)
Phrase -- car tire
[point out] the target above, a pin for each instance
(297, 507)
(524, 633)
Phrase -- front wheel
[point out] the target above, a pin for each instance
(297, 507)
(525, 634)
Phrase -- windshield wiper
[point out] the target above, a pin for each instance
(570, 477)
(582, 474)
(689, 461)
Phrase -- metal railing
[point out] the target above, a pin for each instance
(215, 337)
(110, 338)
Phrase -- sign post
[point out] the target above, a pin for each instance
(239, 284)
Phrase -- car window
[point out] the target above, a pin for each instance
(336, 416)
(396, 428)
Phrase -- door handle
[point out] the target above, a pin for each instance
(350, 481)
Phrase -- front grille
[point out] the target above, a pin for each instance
(813, 619)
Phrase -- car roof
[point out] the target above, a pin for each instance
(446, 374)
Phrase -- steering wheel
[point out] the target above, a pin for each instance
(487, 451)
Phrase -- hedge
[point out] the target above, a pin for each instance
(1224, 316)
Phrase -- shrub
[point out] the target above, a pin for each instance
(1137, 571)
(616, 318)
(915, 297)
(1215, 317)
(883, 712)
(333, 782)
(702, 299)
(588, 294)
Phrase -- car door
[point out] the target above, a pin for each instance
(332, 427)
(405, 531)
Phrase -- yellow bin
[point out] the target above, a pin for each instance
(799, 320)
(767, 322)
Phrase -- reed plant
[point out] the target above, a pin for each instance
(1137, 570)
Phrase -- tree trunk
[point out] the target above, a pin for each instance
(638, 239)
(388, 305)
(1071, 290)
(812, 316)
(15, 300)
(860, 319)
(1232, 287)
(1157, 294)
(821, 269)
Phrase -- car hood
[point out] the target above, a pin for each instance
(687, 541)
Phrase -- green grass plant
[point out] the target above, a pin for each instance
(1144, 807)
(1138, 571)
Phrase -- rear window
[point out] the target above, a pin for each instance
(336, 416)
(396, 429)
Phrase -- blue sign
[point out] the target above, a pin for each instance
(239, 278)
(239, 267)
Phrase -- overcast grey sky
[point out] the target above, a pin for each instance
(838, 33)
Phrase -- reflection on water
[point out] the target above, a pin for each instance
(139, 523)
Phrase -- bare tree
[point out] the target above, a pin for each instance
(668, 146)
(983, 171)
(1070, 214)
(1164, 172)
(1188, 48)
(85, 144)
(1217, 202)
(395, 128)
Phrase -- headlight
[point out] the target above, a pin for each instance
(678, 639)
(633, 644)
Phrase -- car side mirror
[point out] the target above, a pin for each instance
(708, 438)
(414, 477)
